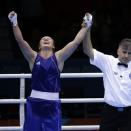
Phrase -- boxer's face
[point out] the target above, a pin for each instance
(46, 42)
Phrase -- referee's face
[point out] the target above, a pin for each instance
(124, 54)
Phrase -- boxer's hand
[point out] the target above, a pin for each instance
(13, 18)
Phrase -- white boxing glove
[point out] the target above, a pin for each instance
(13, 18)
(88, 19)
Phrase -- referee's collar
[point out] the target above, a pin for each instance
(128, 63)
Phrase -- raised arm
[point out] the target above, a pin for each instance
(27, 51)
(67, 51)
(87, 44)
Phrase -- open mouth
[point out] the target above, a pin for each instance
(46, 43)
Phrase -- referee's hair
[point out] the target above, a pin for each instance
(126, 42)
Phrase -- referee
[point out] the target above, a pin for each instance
(117, 84)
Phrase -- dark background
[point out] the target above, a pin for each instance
(61, 19)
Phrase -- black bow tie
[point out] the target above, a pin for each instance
(123, 64)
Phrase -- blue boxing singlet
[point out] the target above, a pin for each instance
(46, 75)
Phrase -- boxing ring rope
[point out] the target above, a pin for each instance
(22, 100)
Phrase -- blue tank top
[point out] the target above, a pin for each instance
(45, 74)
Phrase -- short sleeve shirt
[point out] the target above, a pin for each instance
(117, 79)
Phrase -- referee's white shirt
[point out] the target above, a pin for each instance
(117, 79)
